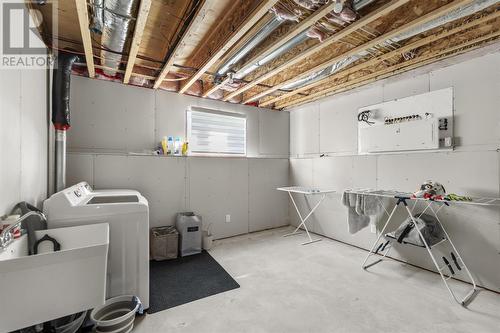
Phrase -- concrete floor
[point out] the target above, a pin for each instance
(286, 287)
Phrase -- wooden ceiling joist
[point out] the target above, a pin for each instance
(205, 34)
(394, 4)
(198, 16)
(443, 10)
(256, 15)
(83, 20)
(140, 23)
(386, 56)
(392, 70)
(386, 74)
(208, 39)
(296, 30)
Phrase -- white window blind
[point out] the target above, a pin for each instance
(214, 132)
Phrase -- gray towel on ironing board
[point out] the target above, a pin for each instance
(360, 209)
(367, 205)
(356, 221)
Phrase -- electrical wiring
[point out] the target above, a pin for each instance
(365, 117)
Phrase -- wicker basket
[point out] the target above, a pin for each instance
(164, 243)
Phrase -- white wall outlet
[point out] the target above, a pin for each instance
(373, 228)
(228, 218)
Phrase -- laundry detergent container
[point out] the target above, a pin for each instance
(189, 225)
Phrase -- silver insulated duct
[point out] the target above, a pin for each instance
(97, 21)
(250, 45)
(113, 19)
(456, 14)
(300, 38)
(244, 71)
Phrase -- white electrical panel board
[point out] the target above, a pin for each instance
(414, 123)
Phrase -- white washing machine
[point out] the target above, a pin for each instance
(127, 213)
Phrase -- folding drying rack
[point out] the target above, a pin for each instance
(305, 191)
(434, 206)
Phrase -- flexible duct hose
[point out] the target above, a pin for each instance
(61, 90)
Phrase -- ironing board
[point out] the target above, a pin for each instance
(305, 191)
(432, 206)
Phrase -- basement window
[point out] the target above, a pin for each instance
(211, 132)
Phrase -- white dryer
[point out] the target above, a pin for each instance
(127, 213)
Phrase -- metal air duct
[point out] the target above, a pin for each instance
(97, 21)
(250, 45)
(115, 27)
(456, 14)
(244, 71)
(300, 38)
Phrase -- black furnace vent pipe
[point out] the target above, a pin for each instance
(61, 89)
(60, 113)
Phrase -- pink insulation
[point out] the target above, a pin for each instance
(99, 74)
(170, 86)
(172, 82)
(232, 86)
(335, 18)
(140, 81)
(196, 89)
(310, 4)
(348, 15)
(236, 99)
(286, 15)
(218, 94)
(317, 33)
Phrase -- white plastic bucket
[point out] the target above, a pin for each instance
(117, 315)
(69, 324)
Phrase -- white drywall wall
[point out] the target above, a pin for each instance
(109, 120)
(23, 137)
(112, 117)
(329, 126)
(245, 188)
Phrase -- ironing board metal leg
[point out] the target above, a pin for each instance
(295, 232)
(474, 289)
(365, 266)
(429, 250)
(445, 279)
(303, 220)
(429, 206)
(386, 253)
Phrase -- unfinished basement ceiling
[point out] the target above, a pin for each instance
(271, 53)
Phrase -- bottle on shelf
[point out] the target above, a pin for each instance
(177, 146)
(170, 145)
(164, 145)
(185, 148)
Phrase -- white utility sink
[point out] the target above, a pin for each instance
(38, 288)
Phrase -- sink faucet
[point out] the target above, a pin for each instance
(7, 235)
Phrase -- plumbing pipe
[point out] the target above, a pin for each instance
(61, 113)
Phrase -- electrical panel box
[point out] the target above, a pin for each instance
(415, 123)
